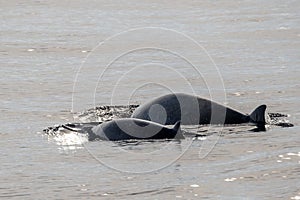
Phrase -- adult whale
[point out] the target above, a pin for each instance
(192, 110)
(130, 128)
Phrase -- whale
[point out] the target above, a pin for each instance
(194, 110)
(134, 129)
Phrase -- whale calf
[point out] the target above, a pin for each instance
(193, 110)
(130, 128)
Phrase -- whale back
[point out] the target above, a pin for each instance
(130, 128)
(188, 109)
(170, 109)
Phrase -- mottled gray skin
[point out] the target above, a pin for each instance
(130, 128)
(193, 110)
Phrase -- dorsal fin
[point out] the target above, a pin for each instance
(258, 115)
(177, 130)
(176, 126)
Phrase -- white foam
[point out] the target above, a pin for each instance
(296, 197)
(201, 138)
(229, 179)
(287, 158)
(194, 185)
(237, 94)
(284, 28)
(71, 138)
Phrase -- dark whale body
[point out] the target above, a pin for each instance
(130, 128)
(193, 110)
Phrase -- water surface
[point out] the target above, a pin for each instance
(255, 45)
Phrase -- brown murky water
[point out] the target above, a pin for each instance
(247, 54)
